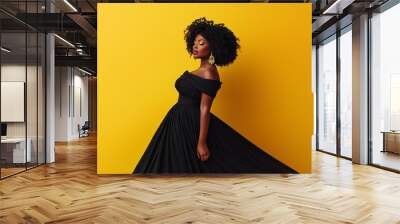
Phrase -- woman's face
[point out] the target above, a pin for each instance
(200, 48)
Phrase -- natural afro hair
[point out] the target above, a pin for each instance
(223, 43)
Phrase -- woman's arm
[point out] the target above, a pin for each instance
(205, 105)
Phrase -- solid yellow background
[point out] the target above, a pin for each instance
(266, 94)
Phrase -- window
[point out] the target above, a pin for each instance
(346, 93)
(385, 88)
(327, 95)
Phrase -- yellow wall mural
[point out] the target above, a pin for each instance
(266, 94)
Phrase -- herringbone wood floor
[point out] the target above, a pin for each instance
(69, 191)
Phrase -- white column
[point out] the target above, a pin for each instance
(360, 90)
(50, 110)
(50, 92)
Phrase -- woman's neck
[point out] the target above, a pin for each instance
(204, 64)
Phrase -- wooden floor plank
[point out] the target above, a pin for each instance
(70, 191)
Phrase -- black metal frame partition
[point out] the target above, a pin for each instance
(44, 101)
(338, 34)
(0, 89)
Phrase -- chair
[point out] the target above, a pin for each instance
(84, 130)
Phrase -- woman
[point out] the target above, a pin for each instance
(191, 139)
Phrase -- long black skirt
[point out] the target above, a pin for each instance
(173, 148)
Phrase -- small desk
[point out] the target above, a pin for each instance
(17, 151)
(391, 141)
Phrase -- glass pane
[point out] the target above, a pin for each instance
(32, 70)
(327, 96)
(41, 98)
(31, 85)
(386, 88)
(314, 73)
(22, 88)
(14, 153)
(346, 93)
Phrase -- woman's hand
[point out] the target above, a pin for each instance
(202, 151)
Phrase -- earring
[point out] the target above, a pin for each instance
(211, 59)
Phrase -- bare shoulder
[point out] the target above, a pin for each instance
(211, 73)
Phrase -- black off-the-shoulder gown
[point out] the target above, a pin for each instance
(173, 148)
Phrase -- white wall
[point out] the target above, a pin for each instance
(16, 72)
(71, 94)
(61, 103)
(80, 112)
